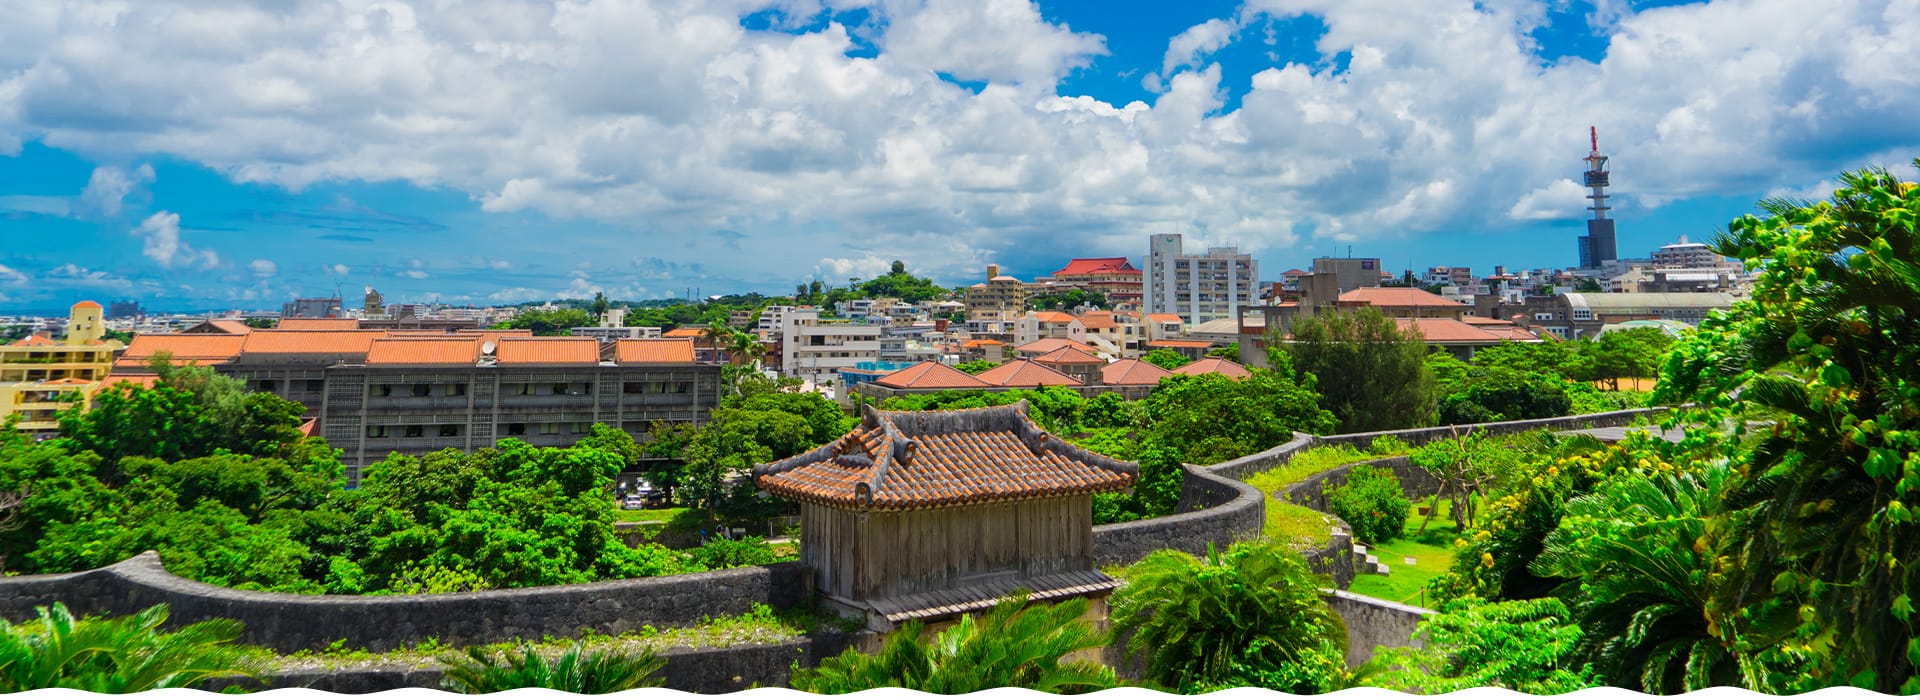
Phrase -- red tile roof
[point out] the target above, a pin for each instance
(1213, 365)
(1398, 297)
(547, 351)
(1446, 330)
(1171, 343)
(984, 342)
(1069, 356)
(1047, 345)
(140, 380)
(34, 341)
(424, 351)
(1053, 316)
(931, 375)
(1096, 320)
(87, 305)
(1088, 266)
(185, 348)
(318, 324)
(908, 460)
(309, 342)
(1021, 373)
(1165, 318)
(234, 327)
(685, 333)
(648, 351)
(1483, 321)
(1131, 373)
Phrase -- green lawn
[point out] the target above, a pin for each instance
(650, 515)
(1432, 553)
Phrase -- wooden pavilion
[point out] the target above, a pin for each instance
(926, 515)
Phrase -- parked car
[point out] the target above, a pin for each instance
(634, 502)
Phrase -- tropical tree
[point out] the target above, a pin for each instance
(117, 655)
(1637, 553)
(1164, 358)
(574, 671)
(1462, 464)
(977, 366)
(1014, 645)
(1372, 374)
(1213, 417)
(1250, 616)
(1822, 533)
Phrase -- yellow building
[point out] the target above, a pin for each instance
(1000, 298)
(39, 376)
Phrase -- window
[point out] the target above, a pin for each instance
(633, 388)
(579, 389)
(521, 389)
(416, 431)
(560, 388)
(422, 389)
(450, 430)
(581, 428)
(314, 385)
(456, 389)
(549, 428)
(383, 390)
(376, 431)
(517, 428)
(269, 385)
(1583, 314)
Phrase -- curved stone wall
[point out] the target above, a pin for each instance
(1214, 510)
(290, 622)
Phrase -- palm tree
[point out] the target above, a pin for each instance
(1634, 555)
(574, 671)
(745, 349)
(1014, 645)
(1253, 616)
(117, 655)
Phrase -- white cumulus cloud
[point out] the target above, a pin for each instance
(263, 269)
(160, 234)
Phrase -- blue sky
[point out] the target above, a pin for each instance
(233, 154)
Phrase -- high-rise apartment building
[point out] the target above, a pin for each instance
(1002, 298)
(39, 375)
(1199, 288)
(817, 349)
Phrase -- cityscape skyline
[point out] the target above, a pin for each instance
(468, 158)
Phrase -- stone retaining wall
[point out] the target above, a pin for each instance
(1421, 436)
(1372, 622)
(706, 671)
(290, 622)
(1228, 511)
(1312, 491)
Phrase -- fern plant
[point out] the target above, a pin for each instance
(116, 655)
(1251, 616)
(574, 671)
(1013, 645)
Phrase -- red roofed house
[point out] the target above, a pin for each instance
(1044, 346)
(928, 515)
(1132, 373)
(1027, 374)
(1213, 365)
(1116, 278)
(1073, 362)
(1402, 302)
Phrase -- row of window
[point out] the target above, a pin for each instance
(423, 389)
(456, 430)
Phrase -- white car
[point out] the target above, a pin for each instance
(634, 502)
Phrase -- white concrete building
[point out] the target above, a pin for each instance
(1199, 288)
(817, 350)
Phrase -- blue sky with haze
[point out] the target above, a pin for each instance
(229, 154)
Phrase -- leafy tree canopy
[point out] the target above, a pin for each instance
(1372, 373)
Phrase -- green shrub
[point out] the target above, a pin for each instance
(575, 671)
(726, 554)
(116, 655)
(1372, 502)
(1014, 645)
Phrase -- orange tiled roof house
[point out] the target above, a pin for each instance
(926, 515)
